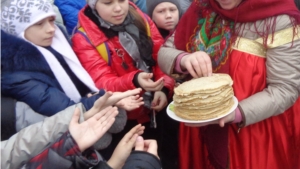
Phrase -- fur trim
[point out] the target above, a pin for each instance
(19, 55)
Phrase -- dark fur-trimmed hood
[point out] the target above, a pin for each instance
(19, 55)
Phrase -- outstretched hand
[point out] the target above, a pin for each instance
(146, 82)
(149, 146)
(118, 96)
(123, 149)
(88, 132)
(159, 101)
(130, 103)
(110, 99)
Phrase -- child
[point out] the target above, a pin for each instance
(44, 72)
(119, 30)
(79, 138)
(165, 14)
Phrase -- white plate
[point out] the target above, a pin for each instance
(175, 117)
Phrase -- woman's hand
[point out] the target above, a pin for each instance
(130, 103)
(145, 81)
(123, 149)
(222, 121)
(198, 64)
(149, 146)
(88, 132)
(159, 101)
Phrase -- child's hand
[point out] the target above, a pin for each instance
(88, 132)
(99, 104)
(130, 103)
(118, 96)
(149, 146)
(123, 149)
(145, 81)
(109, 99)
(159, 101)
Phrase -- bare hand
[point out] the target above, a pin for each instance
(99, 104)
(88, 132)
(123, 149)
(149, 146)
(130, 103)
(198, 64)
(159, 101)
(147, 83)
(109, 99)
(222, 121)
(118, 96)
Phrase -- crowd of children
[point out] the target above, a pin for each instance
(85, 82)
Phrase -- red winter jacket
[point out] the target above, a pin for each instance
(114, 77)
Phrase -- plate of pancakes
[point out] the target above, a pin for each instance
(203, 99)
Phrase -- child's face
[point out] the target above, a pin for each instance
(166, 15)
(113, 11)
(42, 32)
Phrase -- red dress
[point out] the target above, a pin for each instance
(273, 143)
(253, 147)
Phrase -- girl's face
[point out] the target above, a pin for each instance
(113, 11)
(42, 32)
(166, 15)
(229, 4)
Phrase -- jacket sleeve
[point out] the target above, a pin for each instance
(88, 102)
(142, 159)
(102, 74)
(64, 154)
(157, 43)
(25, 116)
(283, 81)
(41, 97)
(16, 151)
(167, 55)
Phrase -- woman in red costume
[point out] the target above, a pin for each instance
(256, 42)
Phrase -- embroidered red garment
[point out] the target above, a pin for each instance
(213, 154)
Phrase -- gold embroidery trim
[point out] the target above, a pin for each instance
(250, 46)
(282, 37)
(256, 47)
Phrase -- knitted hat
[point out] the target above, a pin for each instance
(18, 15)
(91, 3)
(151, 4)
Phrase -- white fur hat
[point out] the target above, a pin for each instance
(92, 3)
(18, 15)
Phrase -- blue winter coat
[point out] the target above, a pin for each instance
(69, 10)
(27, 77)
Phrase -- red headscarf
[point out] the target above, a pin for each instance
(247, 11)
(253, 10)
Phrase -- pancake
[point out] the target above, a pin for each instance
(204, 98)
(209, 84)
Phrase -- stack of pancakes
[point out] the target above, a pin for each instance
(204, 98)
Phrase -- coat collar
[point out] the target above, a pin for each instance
(91, 29)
